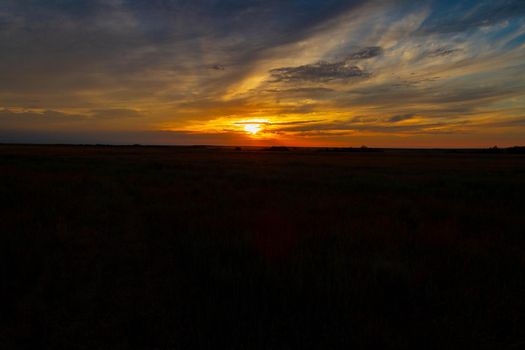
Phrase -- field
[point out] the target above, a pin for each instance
(198, 247)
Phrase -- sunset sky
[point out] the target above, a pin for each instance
(263, 72)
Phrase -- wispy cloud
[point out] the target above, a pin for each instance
(318, 72)
(441, 51)
(366, 53)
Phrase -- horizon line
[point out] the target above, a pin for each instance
(362, 147)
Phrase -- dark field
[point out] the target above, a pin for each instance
(182, 248)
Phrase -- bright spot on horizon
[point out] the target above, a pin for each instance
(252, 128)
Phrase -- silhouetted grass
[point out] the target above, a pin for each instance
(176, 248)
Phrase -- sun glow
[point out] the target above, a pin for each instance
(252, 128)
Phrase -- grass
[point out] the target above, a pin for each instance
(175, 248)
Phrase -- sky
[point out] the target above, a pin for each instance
(263, 72)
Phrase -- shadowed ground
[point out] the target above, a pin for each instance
(178, 248)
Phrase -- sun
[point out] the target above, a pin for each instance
(252, 128)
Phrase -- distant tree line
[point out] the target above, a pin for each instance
(508, 150)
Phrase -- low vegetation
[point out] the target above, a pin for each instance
(179, 248)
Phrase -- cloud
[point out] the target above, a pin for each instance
(447, 95)
(366, 53)
(253, 123)
(318, 72)
(441, 51)
(350, 126)
(62, 121)
(364, 119)
(468, 15)
(131, 64)
(47, 116)
(298, 122)
(117, 113)
(217, 67)
(509, 123)
(401, 117)
(295, 122)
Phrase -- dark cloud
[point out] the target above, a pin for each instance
(301, 91)
(119, 113)
(319, 72)
(447, 95)
(323, 126)
(252, 123)
(401, 117)
(298, 122)
(366, 53)
(350, 125)
(506, 123)
(364, 119)
(217, 67)
(442, 51)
